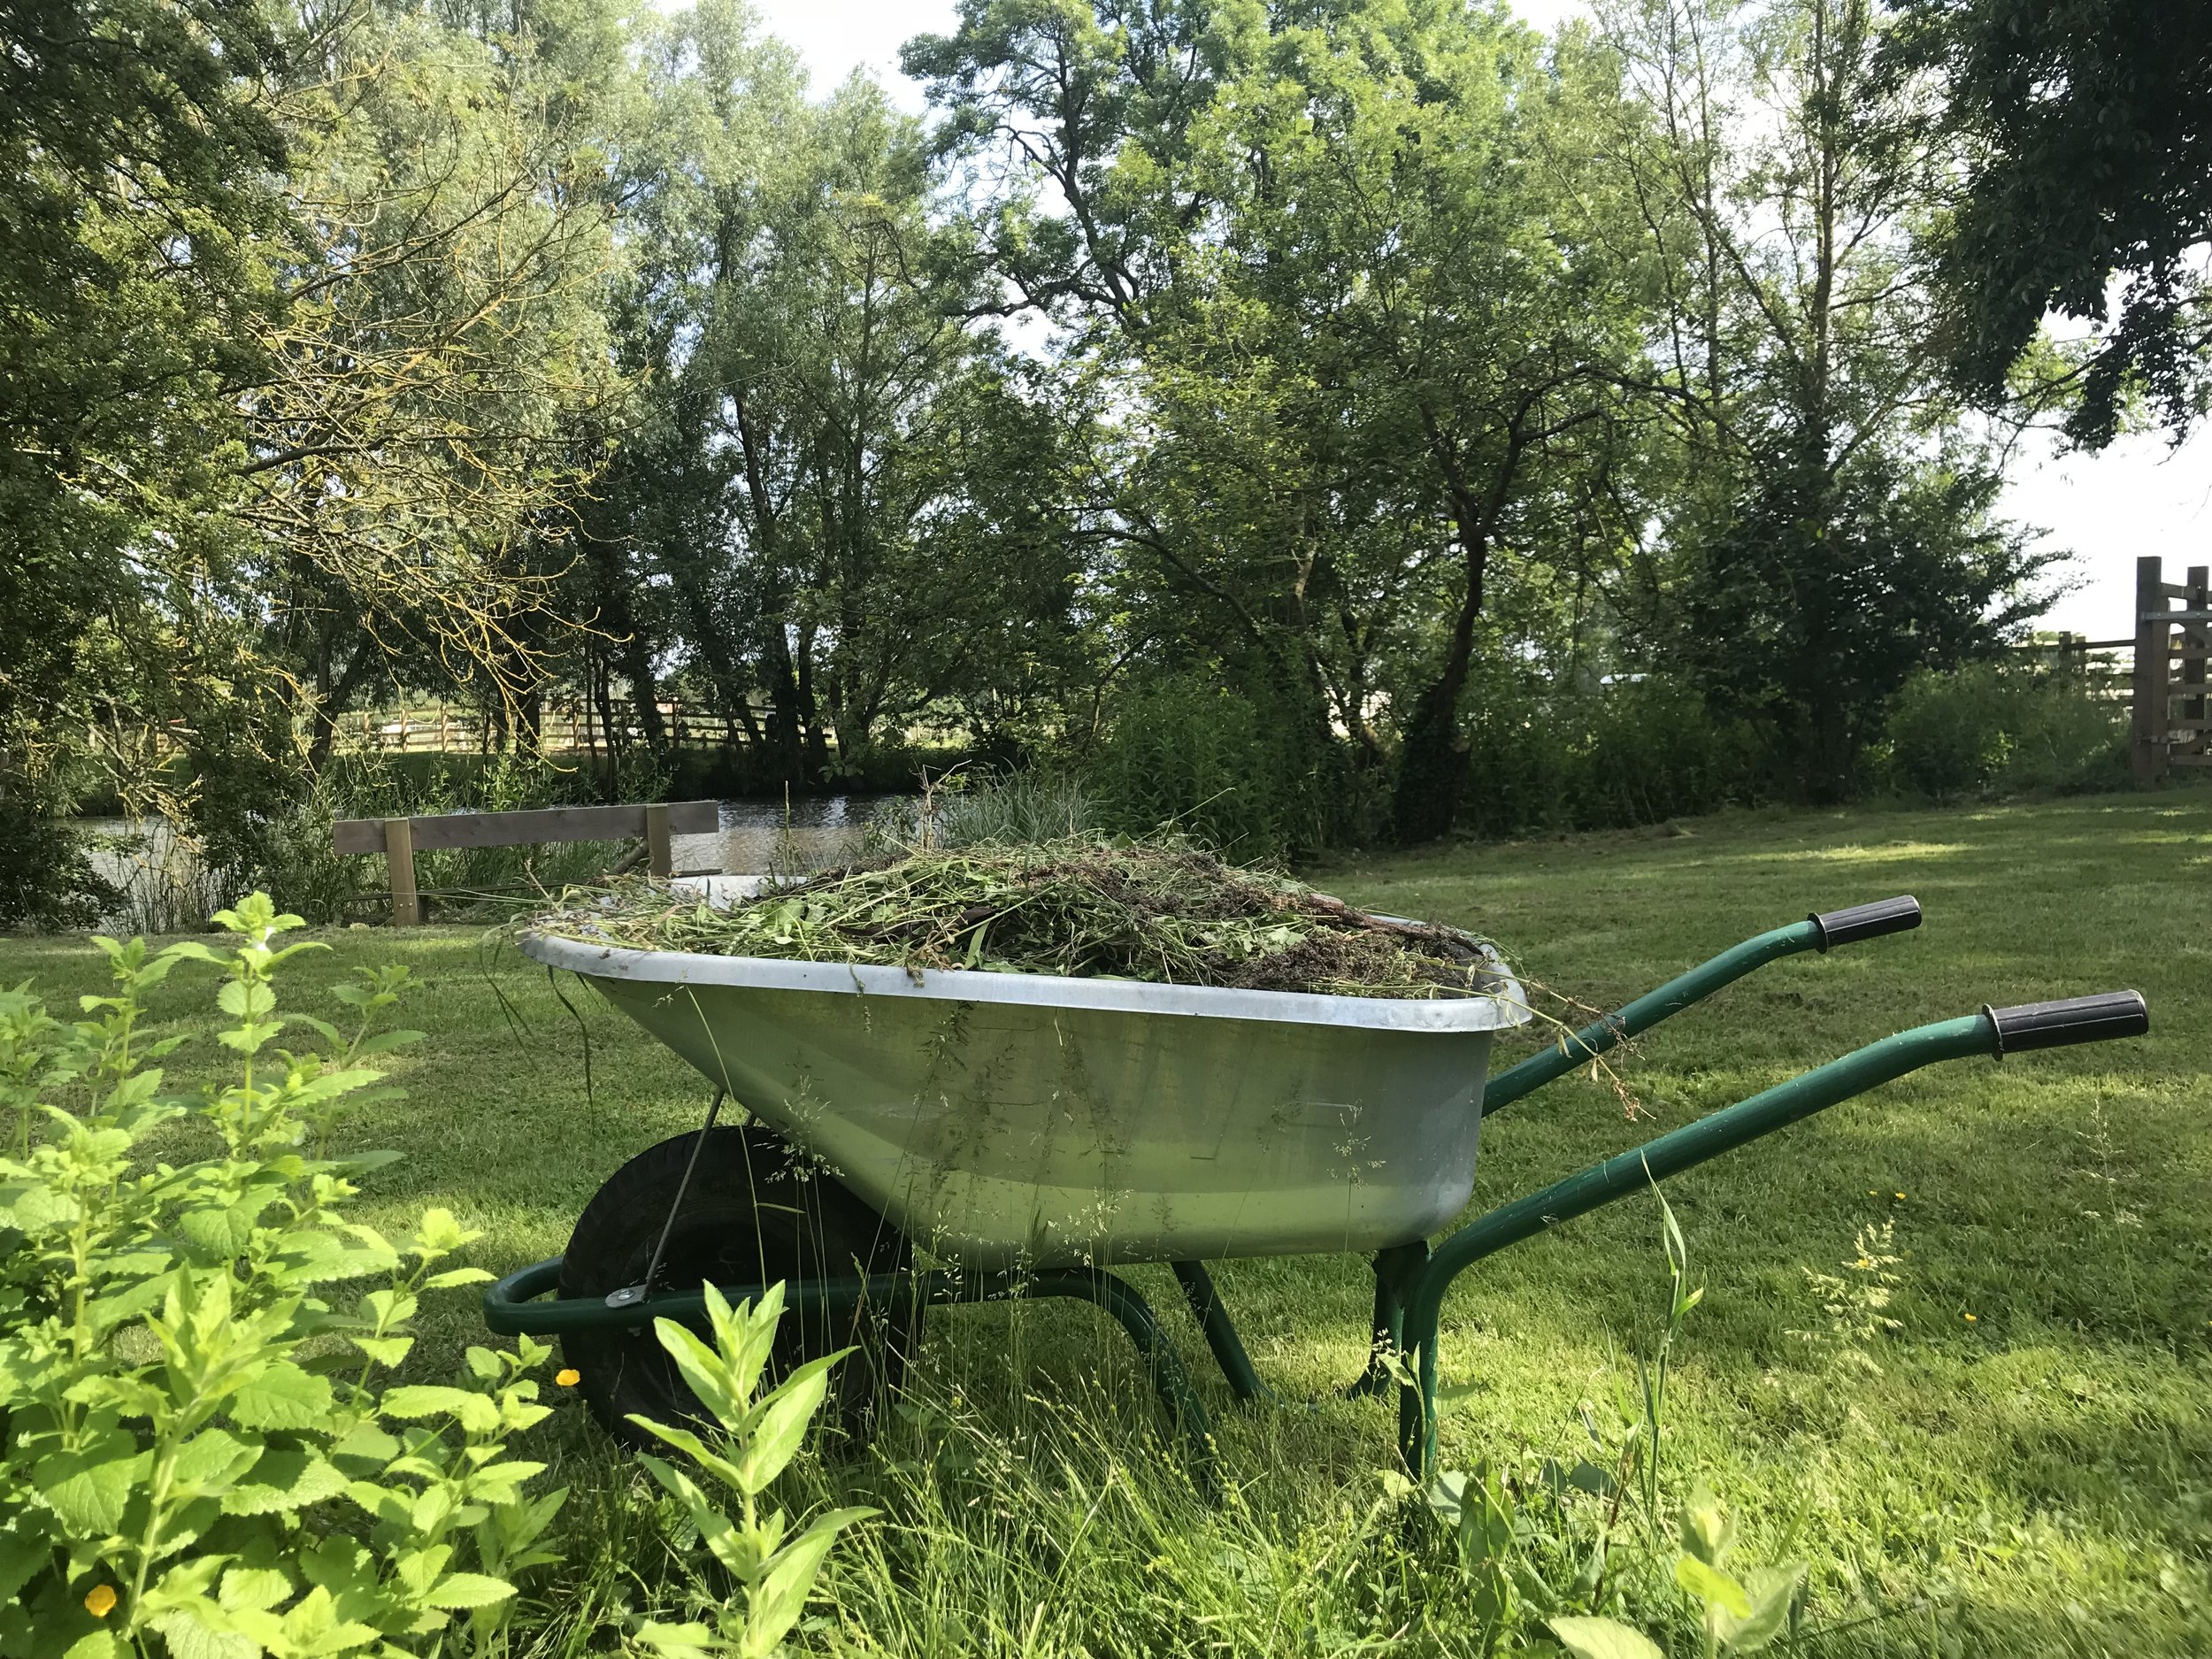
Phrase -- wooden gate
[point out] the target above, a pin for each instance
(2172, 625)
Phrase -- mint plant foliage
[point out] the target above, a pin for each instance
(201, 1451)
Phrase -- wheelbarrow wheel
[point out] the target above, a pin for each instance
(752, 1213)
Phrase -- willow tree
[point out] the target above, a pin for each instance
(411, 461)
(136, 137)
(1372, 371)
(303, 320)
(839, 490)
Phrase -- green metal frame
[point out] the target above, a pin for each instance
(1636, 1170)
(1411, 1279)
(1647, 1011)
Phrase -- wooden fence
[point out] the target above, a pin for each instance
(2159, 672)
(570, 728)
(2102, 667)
(2173, 623)
(399, 838)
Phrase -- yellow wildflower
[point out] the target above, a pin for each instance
(100, 1602)
(568, 1377)
(1970, 1318)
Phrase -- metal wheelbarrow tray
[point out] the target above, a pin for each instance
(1031, 1132)
(1005, 1120)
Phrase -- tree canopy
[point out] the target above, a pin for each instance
(1345, 372)
(2086, 190)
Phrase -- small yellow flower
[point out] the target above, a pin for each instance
(1970, 1318)
(568, 1377)
(100, 1602)
(1900, 1196)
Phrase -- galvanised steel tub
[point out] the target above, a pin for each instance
(1031, 1133)
(1003, 1120)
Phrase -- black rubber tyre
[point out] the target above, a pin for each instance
(752, 1214)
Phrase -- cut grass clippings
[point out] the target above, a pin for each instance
(1161, 911)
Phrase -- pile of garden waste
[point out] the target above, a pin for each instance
(1163, 911)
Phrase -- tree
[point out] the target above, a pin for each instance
(301, 308)
(136, 139)
(438, 377)
(1365, 365)
(845, 487)
(1828, 518)
(2088, 131)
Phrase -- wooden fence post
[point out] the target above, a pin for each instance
(399, 853)
(2153, 703)
(2194, 638)
(659, 851)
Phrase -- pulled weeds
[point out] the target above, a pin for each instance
(1082, 907)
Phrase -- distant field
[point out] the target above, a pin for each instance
(2026, 1466)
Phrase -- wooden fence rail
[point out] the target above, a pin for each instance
(398, 839)
(2159, 670)
(578, 728)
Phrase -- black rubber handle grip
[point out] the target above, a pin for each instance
(2077, 1019)
(1868, 921)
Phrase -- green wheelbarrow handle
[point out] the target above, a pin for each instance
(1995, 1032)
(1822, 932)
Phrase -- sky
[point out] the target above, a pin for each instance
(2137, 497)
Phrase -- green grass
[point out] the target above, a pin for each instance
(2036, 1478)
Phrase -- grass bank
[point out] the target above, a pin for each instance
(2023, 1465)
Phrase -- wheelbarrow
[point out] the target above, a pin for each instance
(1031, 1133)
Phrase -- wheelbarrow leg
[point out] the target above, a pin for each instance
(1395, 1268)
(1221, 1334)
(1134, 1315)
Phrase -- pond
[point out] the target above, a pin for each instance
(756, 837)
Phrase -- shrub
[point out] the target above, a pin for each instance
(1609, 758)
(47, 876)
(199, 1453)
(1997, 728)
(972, 809)
(1185, 755)
(1646, 751)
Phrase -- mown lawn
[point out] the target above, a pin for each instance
(2024, 1465)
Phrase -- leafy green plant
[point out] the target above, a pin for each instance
(1558, 1549)
(1741, 1615)
(1735, 1615)
(197, 1455)
(1651, 1374)
(761, 1434)
(1993, 727)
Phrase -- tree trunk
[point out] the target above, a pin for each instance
(1432, 754)
(620, 618)
(328, 708)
